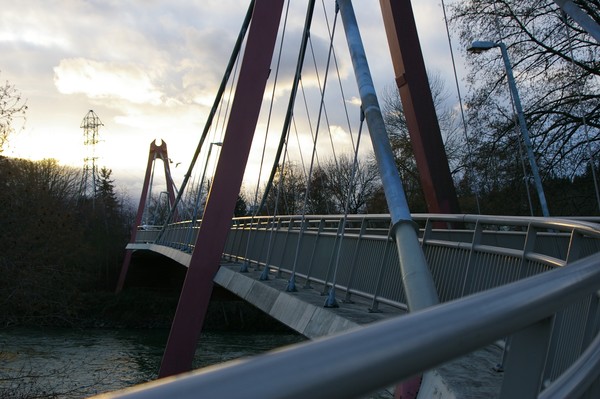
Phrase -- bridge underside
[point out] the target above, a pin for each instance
(302, 311)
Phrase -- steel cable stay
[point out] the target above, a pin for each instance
(337, 69)
(331, 302)
(265, 272)
(215, 130)
(230, 65)
(282, 177)
(312, 135)
(309, 121)
(462, 111)
(246, 262)
(291, 102)
(323, 103)
(291, 287)
(300, 154)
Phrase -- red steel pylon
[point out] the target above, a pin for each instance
(156, 151)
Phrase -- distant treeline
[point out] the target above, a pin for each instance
(57, 248)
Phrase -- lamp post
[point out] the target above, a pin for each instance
(202, 180)
(480, 46)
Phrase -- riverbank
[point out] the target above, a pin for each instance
(147, 308)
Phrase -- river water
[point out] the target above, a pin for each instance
(71, 363)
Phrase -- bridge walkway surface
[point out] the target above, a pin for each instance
(471, 376)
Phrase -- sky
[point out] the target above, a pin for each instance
(151, 68)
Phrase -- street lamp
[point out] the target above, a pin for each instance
(481, 46)
(219, 144)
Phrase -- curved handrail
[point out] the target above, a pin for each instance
(389, 351)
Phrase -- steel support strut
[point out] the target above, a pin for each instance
(419, 110)
(416, 278)
(156, 151)
(204, 263)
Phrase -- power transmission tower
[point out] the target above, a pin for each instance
(90, 124)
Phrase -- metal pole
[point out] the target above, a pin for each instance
(213, 111)
(580, 17)
(524, 130)
(421, 119)
(216, 221)
(202, 181)
(416, 277)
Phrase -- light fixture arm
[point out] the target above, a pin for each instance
(480, 46)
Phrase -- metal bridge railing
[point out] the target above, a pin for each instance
(466, 254)
(358, 362)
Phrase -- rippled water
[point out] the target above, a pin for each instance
(65, 363)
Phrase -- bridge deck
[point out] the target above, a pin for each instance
(303, 310)
(471, 376)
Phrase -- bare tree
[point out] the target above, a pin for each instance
(400, 140)
(12, 106)
(287, 195)
(557, 68)
(339, 183)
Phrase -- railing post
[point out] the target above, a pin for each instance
(468, 281)
(574, 251)
(265, 273)
(334, 251)
(363, 228)
(528, 247)
(240, 243)
(290, 227)
(426, 232)
(526, 360)
(312, 255)
(249, 243)
(416, 277)
(264, 239)
(375, 304)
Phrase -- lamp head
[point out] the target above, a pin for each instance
(481, 46)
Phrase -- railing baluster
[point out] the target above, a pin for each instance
(312, 254)
(388, 241)
(467, 287)
(528, 247)
(525, 361)
(363, 228)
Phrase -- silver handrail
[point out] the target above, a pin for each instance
(476, 254)
(358, 362)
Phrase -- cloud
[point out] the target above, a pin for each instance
(106, 80)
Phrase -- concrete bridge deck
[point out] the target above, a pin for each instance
(471, 376)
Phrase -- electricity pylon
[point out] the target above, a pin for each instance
(90, 124)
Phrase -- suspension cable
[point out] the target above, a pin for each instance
(462, 112)
(265, 273)
(232, 60)
(331, 302)
(292, 282)
(337, 69)
(246, 262)
(323, 104)
(289, 113)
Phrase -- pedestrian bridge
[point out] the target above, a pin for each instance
(528, 285)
